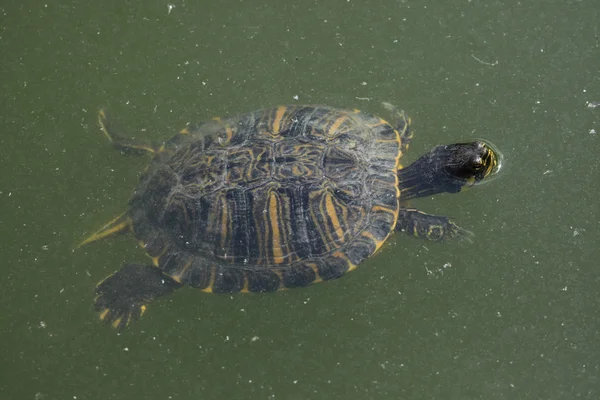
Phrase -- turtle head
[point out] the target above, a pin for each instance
(465, 164)
(449, 168)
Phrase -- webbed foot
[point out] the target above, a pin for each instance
(122, 297)
(431, 227)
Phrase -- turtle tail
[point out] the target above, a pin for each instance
(121, 224)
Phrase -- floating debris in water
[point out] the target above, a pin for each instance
(593, 104)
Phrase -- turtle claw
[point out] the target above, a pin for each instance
(454, 231)
(119, 316)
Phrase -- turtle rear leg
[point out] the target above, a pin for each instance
(401, 123)
(122, 297)
(435, 228)
(128, 146)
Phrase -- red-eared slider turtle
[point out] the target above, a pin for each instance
(277, 198)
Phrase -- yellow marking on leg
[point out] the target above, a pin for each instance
(103, 314)
(278, 119)
(116, 322)
(101, 119)
(109, 229)
(143, 310)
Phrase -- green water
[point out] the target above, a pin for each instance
(514, 315)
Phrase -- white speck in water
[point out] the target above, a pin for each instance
(42, 324)
(577, 231)
(170, 8)
(592, 131)
(126, 349)
(254, 338)
(296, 97)
(45, 247)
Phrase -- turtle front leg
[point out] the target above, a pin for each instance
(122, 297)
(127, 146)
(401, 123)
(435, 228)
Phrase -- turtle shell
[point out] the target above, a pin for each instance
(275, 198)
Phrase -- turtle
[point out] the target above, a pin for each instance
(278, 198)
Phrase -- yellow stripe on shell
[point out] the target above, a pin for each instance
(276, 240)
(331, 213)
(315, 269)
(334, 127)
(224, 222)
(246, 285)
(180, 273)
(278, 119)
(339, 254)
(369, 235)
(211, 282)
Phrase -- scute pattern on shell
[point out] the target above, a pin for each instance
(280, 197)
